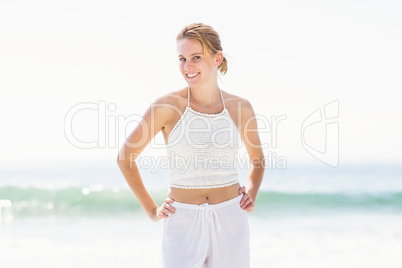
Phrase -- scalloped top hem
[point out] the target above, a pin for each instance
(203, 186)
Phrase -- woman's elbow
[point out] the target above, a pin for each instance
(124, 160)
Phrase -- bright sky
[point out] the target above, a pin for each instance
(289, 58)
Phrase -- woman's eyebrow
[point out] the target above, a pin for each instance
(191, 54)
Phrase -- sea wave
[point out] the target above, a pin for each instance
(98, 200)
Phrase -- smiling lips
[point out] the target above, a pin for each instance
(192, 75)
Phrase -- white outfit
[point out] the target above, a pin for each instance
(208, 144)
(206, 235)
(201, 236)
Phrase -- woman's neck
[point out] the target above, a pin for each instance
(206, 95)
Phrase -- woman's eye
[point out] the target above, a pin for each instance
(197, 57)
(182, 59)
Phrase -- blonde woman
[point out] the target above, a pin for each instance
(205, 213)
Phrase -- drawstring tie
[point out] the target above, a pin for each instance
(206, 217)
(209, 214)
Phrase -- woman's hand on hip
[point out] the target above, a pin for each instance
(246, 202)
(164, 210)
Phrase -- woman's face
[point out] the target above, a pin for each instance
(193, 65)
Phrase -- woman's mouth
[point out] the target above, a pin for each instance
(192, 75)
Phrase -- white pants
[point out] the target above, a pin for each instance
(210, 236)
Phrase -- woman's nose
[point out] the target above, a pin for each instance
(188, 66)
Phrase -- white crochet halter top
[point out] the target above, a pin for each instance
(202, 150)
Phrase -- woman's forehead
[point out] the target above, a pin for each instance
(187, 47)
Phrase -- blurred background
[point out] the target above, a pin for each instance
(323, 77)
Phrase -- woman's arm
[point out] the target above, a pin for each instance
(151, 123)
(249, 134)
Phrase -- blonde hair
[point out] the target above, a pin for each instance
(208, 38)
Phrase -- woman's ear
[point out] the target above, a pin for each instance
(218, 58)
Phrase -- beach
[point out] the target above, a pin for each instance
(305, 217)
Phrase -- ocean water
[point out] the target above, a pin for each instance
(350, 216)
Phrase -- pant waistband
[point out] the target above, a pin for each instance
(195, 206)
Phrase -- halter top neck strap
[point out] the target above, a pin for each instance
(188, 98)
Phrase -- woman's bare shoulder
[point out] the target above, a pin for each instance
(174, 100)
(235, 102)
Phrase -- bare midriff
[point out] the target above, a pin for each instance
(200, 196)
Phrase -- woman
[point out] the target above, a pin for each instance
(205, 219)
